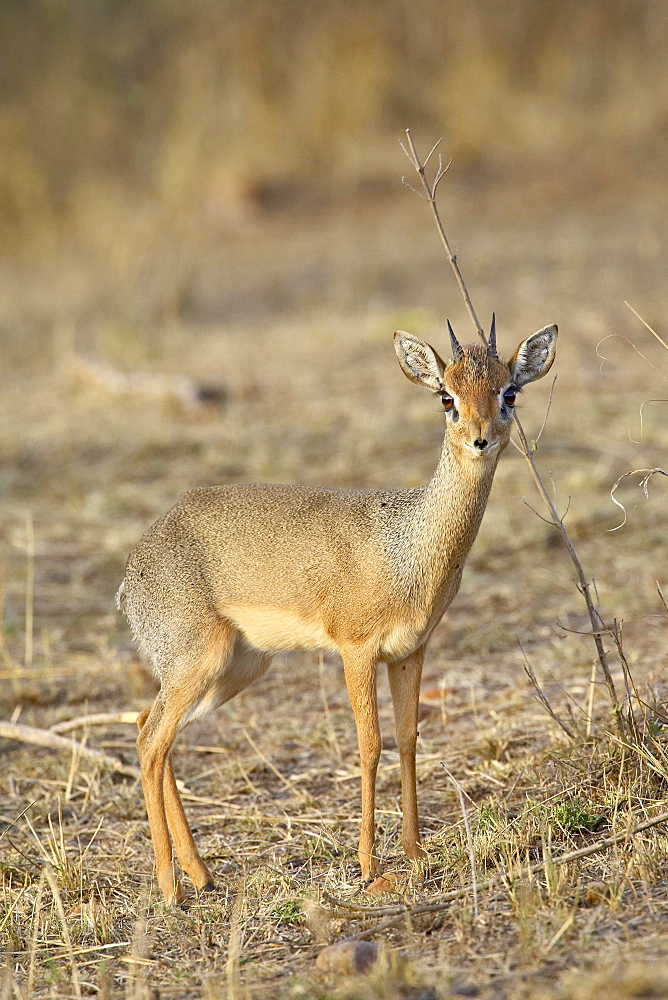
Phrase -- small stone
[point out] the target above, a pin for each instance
(348, 957)
(465, 990)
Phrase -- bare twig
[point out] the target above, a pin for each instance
(590, 700)
(646, 325)
(583, 583)
(547, 412)
(632, 694)
(644, 484)
(528, 670)
(533, 509)
(430, 193)
(661, 595)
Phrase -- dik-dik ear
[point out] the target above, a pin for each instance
(419, 361)
(534, 357)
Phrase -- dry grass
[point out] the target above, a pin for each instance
(177, 203)
(272, 778)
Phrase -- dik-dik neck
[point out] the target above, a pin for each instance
(449, 513)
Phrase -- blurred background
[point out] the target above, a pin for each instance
(150, 149)
(206, 245)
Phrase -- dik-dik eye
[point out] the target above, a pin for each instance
(448, 402)
(509, 397)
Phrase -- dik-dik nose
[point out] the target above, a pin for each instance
(480, 443)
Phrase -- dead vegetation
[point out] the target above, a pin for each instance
(272, 778)
(554, 886)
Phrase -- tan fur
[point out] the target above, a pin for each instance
(232, 574)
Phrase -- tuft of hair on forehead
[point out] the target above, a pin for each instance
(475, 366)
(476, 359)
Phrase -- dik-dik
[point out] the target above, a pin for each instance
(232, 574)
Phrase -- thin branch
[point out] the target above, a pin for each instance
(97, 719)
(442, 171)
(584, 584)
(631, 689)
(430, 192)
(411, 188)
(646, 325)
(540, 694)
(547, 411)
(563, 859)
(547, 520)
(661, 595)
(431, 152)
(50, 740)
(644, 483)
(579, 631)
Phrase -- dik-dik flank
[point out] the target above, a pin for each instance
(232, 574)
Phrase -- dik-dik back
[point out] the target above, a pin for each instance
(318, 568)
(232, 574)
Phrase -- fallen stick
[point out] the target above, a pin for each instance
(52, 741)
(97, 719)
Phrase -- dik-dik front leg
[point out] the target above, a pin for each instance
(360, 673)
(404, 680)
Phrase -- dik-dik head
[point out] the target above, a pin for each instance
(477, 389)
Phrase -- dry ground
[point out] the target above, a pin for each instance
(293, 315)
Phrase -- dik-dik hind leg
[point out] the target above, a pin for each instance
(158, 727)
(360, 673)
(404, 680)
(187, 685)
(184, 844)
(194, 686)
(243, 665)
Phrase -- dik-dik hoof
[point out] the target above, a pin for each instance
(172, 889)
(177, 897)
(370, 871)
